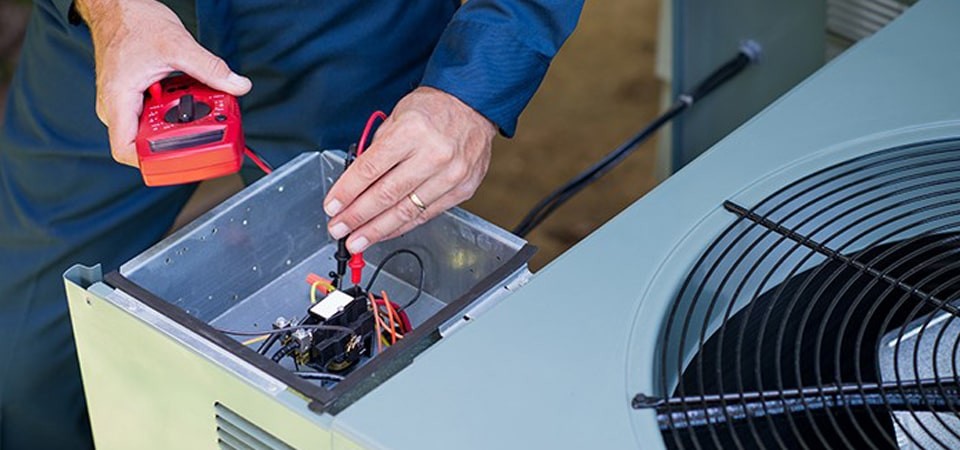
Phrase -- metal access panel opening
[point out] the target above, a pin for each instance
(244, 264)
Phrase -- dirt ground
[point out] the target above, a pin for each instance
(600, 89)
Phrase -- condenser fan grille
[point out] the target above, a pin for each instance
(824, 316)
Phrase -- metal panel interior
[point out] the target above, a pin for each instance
(250, 256)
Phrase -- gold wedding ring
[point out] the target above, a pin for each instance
(417, 202)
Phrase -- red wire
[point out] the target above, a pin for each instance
(404, 319)
(366, 130)
(405, 324)
(356, 261)
(256, 160)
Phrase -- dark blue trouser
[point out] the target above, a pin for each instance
(318, 69)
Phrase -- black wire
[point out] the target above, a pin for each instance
(558, 197)
(387, 259)
(286, 330)
(284, 351)
(265, 346)
(545, 207)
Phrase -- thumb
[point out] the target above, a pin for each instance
(210, 70)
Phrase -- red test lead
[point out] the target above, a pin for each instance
(356, 261)
(356, 267)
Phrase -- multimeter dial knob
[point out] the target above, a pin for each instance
(187, 110)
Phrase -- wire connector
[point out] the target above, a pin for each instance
(752, 49)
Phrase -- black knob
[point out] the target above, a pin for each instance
(187, 110)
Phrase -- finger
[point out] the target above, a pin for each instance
(403, 212)
(122, 112)
(386, 192)
(360, 177)
(207, 68)
(449, 200)
(459, 194)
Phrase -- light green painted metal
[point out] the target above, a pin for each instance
(165, 398)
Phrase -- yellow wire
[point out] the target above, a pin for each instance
(313, 290)
(256, 339)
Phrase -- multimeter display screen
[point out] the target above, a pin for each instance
(192, 140)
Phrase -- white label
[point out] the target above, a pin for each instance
(333, 303)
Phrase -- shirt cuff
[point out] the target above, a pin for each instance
(488, 68)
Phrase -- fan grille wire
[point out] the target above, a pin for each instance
(773, 338)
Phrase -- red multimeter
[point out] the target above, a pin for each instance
(188, 132)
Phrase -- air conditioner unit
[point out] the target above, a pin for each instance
(795, 286)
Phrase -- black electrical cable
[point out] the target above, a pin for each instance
(387, 259)
(286, 330)
(265, 346)
(749, 52)
(284, 351)
(557, 198)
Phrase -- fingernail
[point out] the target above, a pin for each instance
(358, 245)
(238, 81)
(332, 207)
(339, 230)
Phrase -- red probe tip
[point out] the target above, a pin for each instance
(356, 267)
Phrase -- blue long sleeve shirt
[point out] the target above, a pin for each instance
(492, 55)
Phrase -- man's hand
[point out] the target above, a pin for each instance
(433, 146)
(137, 43)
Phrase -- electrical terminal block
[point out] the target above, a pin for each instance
(281, 323)
(333, 303)
(303, 338)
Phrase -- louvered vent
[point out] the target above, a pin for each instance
(849, 21)
(236, 433)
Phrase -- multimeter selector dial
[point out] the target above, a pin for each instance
(187, 110)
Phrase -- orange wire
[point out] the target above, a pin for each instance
(393, 311)
(376, 322)
(390, 313)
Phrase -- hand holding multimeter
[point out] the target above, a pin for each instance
(189, 132)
